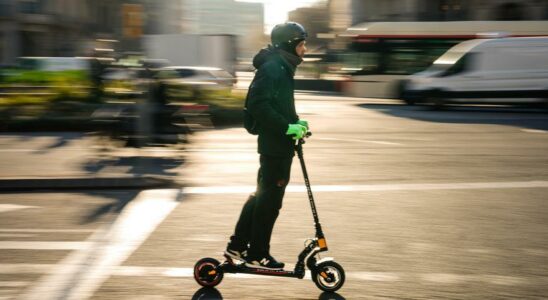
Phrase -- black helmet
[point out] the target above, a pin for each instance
(287, 33)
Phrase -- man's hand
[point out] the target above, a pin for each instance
(303, 123)
(298, 131)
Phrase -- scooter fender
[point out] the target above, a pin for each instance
(324, 260)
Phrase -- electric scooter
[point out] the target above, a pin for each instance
(326, 273)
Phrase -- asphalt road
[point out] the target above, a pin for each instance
(415, 204)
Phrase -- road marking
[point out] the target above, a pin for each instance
(47, 230)
(373, 187)
(433, 278)
(12, 207)
(205, 238)
(360, 141)
(375, 276)
(31, 245)
(534, 131)
(84, 271)
(447, 278)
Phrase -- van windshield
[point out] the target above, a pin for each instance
(446, 61)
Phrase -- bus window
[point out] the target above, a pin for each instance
(396, 56)
(404, 61)
(360, 63)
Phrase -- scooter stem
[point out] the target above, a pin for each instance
(299, 149)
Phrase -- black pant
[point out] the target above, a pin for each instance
(262, 208)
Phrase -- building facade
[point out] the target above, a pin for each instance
(242, 19)
(41, 28)
(316, 21)
(78, 27)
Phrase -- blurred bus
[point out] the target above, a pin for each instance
(382, 54)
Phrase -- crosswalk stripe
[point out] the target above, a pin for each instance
(83, 271)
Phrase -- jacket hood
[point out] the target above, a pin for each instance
(263, 56)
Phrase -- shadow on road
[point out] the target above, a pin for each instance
(207, 294)
(511, 116)
(119, 201)
(214, 294)
(330, 296)
(136, 165)
(61, 139)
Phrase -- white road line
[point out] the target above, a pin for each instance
(432, 278)
(447, 278)
(82, 272)
(32, 245)
(12, 207)
(30, 230)
(534, 131)
(205, 237)
(374, 187)
(375, 276)
(360, 141)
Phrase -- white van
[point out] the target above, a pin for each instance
(495, 71)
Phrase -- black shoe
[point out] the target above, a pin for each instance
(234, 253)
(267, 262)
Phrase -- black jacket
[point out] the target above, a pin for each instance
(271, 101)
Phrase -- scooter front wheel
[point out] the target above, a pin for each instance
(207, 273)
(328, 276)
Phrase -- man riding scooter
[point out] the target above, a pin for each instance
(271, 102)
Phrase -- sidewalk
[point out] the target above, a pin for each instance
(69, 160)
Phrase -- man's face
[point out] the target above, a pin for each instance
(301, 49)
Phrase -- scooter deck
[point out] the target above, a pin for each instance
(230, 266)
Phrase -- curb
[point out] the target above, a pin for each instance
(27, 185)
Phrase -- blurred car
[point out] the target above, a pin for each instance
(121, 82)
(191, 82)
(491, 71)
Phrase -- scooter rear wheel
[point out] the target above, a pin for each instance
(206, 272)
(328, 276)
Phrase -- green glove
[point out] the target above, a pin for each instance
(298, 131)
(303, 123)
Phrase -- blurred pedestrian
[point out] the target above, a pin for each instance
(97, 69)
(270, 101)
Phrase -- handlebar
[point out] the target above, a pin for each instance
(302, 141)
